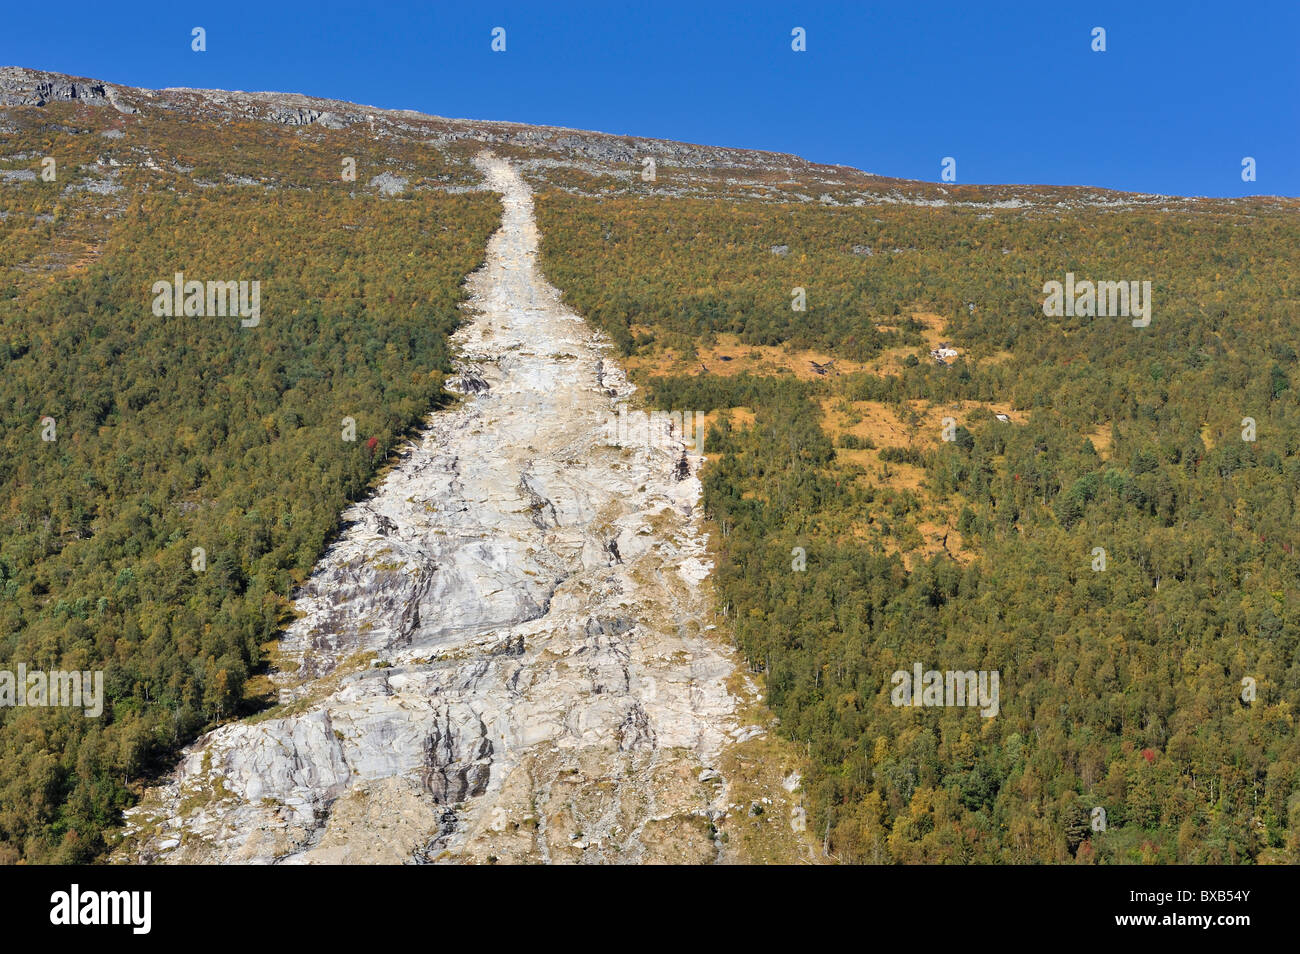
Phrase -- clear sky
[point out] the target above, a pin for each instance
(1012, 90)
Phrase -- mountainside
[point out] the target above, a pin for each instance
(178, 129)
(924, 469)
(505, 652)
(369, 577)
(506, 655)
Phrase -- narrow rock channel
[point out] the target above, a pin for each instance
(506, 655)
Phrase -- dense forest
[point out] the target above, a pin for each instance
(177, 434)
(852, 539)
(1122, 689)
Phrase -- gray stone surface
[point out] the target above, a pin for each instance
(473, 674)
(389, 184)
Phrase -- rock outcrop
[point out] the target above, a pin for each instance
(507, 655)
(19, 87)
(584, 162)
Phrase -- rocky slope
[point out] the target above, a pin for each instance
(508, 654)
(580, 161)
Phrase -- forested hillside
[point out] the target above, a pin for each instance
(177, 434)
(1123, 688)
(1103, 514)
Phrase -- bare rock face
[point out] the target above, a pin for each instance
(389, 184)
(506, 655)
(19, 87)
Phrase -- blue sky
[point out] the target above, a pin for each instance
(1011, 90)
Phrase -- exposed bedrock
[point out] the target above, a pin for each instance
(507, 652)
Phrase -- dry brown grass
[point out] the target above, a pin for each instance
(890, 361)
(741, 418)
(730, 356)
(940, 537)
(935, 328)
(914, 424)
(1103, 439)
